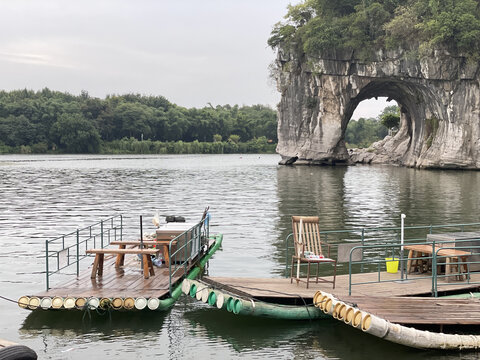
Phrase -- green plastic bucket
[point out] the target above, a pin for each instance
(392, 265)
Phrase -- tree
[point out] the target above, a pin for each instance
(75, 134)
(390, 117)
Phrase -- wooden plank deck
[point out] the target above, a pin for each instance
(281, 287)
(127, 281)
(398, 302)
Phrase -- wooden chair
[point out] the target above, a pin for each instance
(308, 248)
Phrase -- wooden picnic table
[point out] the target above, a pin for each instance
(100, 254)
(160, 244)
(417, 252)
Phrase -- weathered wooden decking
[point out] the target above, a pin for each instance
(126, 281)
(399, 302)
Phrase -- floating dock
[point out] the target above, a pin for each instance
(404, 302)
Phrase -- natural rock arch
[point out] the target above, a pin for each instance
(439, 98)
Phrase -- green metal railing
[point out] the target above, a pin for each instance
(436, 259)
(377, 243)
(186, 247)
(68, 250)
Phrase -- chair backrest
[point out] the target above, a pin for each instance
(308, 234)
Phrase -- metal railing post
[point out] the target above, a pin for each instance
(434, 269)
(46, 263)
(363, 243)
(101, 232)
(78, 253)
(121, 227)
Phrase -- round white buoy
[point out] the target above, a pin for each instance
(57, 302)
(46, 303)
(140, 303)
(69, 302)
(153, 303)
(93, 303)
(220, 300)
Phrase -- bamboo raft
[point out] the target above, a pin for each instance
(115, 281)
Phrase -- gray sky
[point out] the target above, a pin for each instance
(191, 52)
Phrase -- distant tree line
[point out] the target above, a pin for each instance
(46, 120)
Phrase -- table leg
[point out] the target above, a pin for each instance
(146, 272)
(409, 261)
(448, 269)
(165, 255)
(150, 265)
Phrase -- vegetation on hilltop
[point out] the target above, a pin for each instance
(44, 120)
(316, 26)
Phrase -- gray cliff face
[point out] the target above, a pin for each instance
(439, 99)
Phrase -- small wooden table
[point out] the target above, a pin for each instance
(100, 253)
(416, 252)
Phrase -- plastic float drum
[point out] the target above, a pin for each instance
(117, 303)
(23, 302)
(57, 302)
(80, 303)
(46, 303)
(212, 298)
(220, 300)
(140, 303)
(204, 295)
(93, 303)
(69, 303)
(105, 303)
(153, 303)
(129, 303)
(33, 303)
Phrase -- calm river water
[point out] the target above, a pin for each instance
(251, 200)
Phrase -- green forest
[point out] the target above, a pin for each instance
(51, 121)
(419, 26)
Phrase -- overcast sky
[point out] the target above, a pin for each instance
(190, 51)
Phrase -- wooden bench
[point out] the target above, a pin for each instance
(100, 253)
(146, 243)
(416, 252)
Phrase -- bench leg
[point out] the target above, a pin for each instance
(97, 266)
(120, 257)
